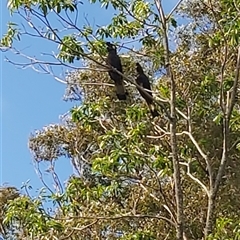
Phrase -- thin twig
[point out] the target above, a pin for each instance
(78, 229)
(174, 9)
(194, 178)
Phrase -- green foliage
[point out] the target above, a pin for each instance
(70, 49)
(173, 22)
(12, 33)
(226, 229)
(139, 236)
(44, 5)
(123, 187)
(23, 210)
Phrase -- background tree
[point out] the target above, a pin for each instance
(167, 178)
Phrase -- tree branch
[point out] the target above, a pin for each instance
(173, 125)
(174, 9)
(194, 178)
(234, 88)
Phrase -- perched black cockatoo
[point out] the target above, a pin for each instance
(143, 81)
(114, 60)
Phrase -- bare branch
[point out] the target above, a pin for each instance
(194, 178)
(166, 198)
(39, 173)
(117, 217)
(181, 113)
(78, 229)
(174, 9)
(173, 126)
(196, 144)
(234, 88)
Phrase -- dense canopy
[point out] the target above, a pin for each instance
(174, 176)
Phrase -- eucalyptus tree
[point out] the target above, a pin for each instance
(137, 177)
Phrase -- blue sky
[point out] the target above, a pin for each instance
(29, 101)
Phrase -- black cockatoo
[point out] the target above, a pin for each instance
(114, 60)
(143, 81)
